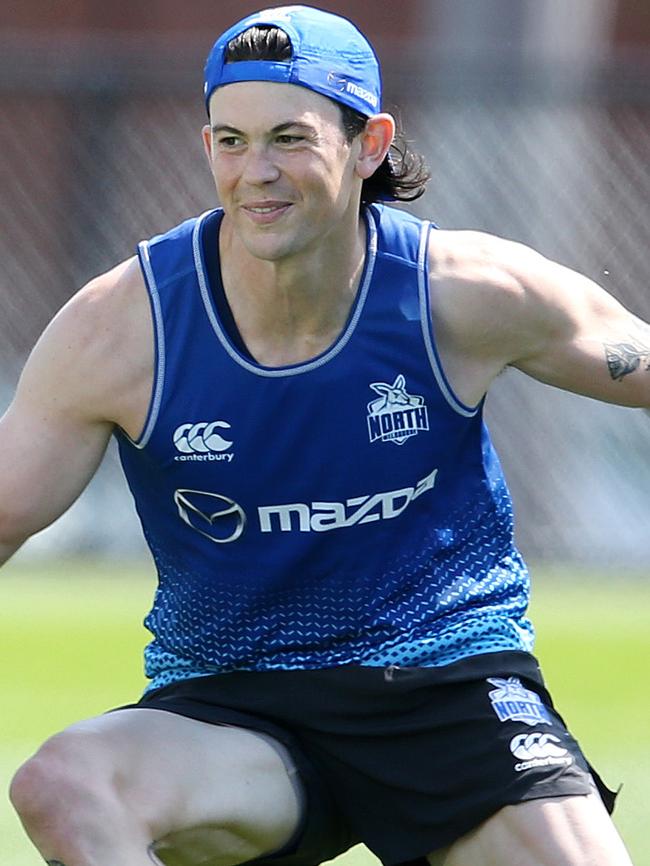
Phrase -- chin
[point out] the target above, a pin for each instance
(273, 249)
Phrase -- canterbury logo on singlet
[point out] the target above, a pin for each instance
(201, 442)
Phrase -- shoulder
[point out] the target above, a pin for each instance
(109, 307)
(490, 288)
(485, 302)
(473, 265)
(104, 318)
(483, 287)
(100, 344)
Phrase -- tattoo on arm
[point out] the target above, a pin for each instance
(625, 358)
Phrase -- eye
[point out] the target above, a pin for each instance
(229, 141)
(285, 138)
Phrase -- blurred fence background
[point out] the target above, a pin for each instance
(534, 116)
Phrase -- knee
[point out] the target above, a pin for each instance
(64, 777)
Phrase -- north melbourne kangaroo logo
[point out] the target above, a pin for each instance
(396, 415)
(512, 701)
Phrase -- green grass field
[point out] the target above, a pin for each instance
(70, 644)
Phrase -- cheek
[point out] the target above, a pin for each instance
(333, 177)
(340, 180)
(223, 174)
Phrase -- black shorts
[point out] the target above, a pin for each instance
(405, 760)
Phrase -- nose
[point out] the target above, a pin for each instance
(259, 167)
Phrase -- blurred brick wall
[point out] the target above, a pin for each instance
(632, 25)
(380, 19)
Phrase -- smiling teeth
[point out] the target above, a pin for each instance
(265, 209)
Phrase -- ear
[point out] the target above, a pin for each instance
(206, 134)
(376, 140)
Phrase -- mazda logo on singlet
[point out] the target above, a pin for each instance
(220, 519)
(212, 515)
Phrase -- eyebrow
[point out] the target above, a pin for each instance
(281, 127)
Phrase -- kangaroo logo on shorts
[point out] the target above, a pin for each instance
(512, 702)
(396, 415)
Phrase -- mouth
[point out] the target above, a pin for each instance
(264, 213)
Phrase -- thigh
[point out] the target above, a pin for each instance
(439, 756)
(562, 831)
(192, 784)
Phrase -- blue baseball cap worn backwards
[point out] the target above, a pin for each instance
(328, 55)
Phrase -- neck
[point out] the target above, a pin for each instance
(291, 310)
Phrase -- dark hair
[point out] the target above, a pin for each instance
(403, 174)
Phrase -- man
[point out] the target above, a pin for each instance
(340, 651)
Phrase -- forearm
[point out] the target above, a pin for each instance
(8, 548)
(16, 527)
(628, 360)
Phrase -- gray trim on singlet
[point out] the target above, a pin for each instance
(275, 372)
(426, 319)
(159, 372)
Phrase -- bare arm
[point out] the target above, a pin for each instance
(46, 462)
(80, 380)
(500, 303)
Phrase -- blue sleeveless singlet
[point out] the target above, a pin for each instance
(348, 509)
